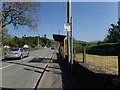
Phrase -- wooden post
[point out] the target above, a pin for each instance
(84, 54)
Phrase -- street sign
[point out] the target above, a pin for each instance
(67, 27)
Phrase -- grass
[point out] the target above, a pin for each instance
(102, 64)
(1, 53)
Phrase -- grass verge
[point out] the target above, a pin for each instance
(101, 64)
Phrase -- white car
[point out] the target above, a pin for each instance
(16, 53)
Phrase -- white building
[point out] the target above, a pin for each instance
(6, 47)
(25, 46)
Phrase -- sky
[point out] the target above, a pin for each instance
(59, 0)
(91, 20)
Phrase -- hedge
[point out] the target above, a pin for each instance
(111, 49)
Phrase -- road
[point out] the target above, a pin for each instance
(26, 72)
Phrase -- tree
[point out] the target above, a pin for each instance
(5, 34)
(18, 13)
(113, 33)
(77, 45)
(6, 38)
(45, 36)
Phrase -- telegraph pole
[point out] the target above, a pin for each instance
(69, 36)
(68, 32)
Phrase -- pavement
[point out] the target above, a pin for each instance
(52, 75)
(57, 75)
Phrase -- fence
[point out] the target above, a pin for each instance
(104, 59)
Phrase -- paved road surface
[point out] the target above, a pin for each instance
(52, 77)
(26, 72)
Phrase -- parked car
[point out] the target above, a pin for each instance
(16, 53)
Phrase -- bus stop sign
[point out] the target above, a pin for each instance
(67, 27)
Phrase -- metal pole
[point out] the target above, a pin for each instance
(69, 36)
(71, 45)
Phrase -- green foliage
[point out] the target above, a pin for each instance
(104, 49)
(31, 41)
(78, 46)
(113, 33)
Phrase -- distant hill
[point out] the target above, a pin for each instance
(95, 42)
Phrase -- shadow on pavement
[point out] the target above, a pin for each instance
(39, 60)
(7, 89)
(67, 79)
(32, 70)
(11, 59)
(25, 65)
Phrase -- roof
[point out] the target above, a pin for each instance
(58, 37)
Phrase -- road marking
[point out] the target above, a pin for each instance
(13, 64)
(34, 85)
(7, 66)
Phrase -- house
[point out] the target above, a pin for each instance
(25, 46)
(6, 47)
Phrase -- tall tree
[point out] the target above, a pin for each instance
(18, 13)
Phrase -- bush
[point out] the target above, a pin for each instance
(111, 49)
